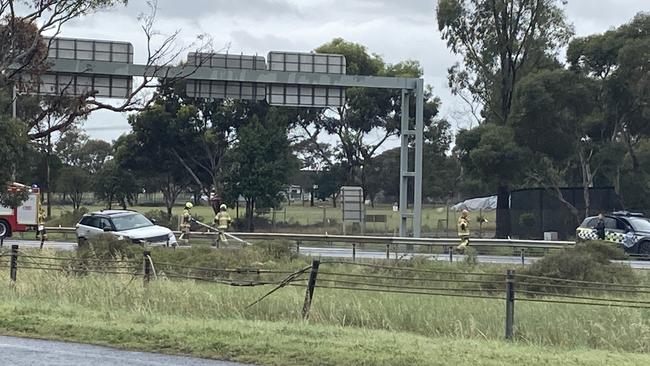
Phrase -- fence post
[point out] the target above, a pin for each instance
(147, 266)
(311, 285)
(510, 302)
(13, 268)
(354, 252)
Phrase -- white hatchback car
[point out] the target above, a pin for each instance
(125, 225)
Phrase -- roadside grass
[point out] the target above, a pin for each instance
(177, 315)
(298, 218)
(284, 343)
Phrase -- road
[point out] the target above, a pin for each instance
(30, 352)
(329, 252)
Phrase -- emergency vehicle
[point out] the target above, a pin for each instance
(22, 218)
(629, 230)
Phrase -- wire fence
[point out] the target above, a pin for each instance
(337, 275)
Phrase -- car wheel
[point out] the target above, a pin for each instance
(644, 247)
(82, 242)
(5, 229)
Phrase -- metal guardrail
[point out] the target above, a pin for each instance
(380, 240)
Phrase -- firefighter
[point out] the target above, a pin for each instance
(42, 216)
(463, 231)
(222, 220)
(186, 220)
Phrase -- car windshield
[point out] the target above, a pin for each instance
(640, 224)
(130, 222)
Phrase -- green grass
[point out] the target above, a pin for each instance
(310, 219)
(279, 343)
(346, 327)
(566, 326)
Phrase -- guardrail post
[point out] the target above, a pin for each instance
(13, 267)
(298, 247)
(387, 251)
(354, 252)
(510, 302)
(311, 285)
(523, 258)
(147, 266)
(2, 241)
(451, 254)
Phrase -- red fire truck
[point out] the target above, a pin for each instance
(23, 217)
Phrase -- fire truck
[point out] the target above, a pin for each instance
(22, 218)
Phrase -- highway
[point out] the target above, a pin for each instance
(329, 252)
(29, 352)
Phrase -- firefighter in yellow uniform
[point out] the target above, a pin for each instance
(186, 221)
(463, 231)
(222, 220)
(42, 216)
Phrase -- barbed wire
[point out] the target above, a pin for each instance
(411, 292)
(584, 288)
(577, 297)
(414, 269)
(409, 278)
(582, 282)
(225, 270)
(402, 286)
(551, 301)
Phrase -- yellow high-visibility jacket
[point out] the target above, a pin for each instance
(463, 226)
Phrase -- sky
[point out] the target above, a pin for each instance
(395, 29)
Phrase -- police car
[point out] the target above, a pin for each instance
(630, 230)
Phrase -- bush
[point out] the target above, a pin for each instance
(68, 218)
(585, 262)
(161, 219)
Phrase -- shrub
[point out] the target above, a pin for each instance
(161, 218)
(68, 218)
(585, 262)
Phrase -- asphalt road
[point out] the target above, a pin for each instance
(329, 252)
(31, 352)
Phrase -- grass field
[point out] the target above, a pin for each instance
(310, 219)
(119, 309)
(278, 343)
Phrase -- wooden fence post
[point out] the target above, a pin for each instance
(311, 285)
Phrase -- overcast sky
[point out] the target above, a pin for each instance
(395, 29)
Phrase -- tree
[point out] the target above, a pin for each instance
(367, 120)
(113, 184)
(499, 40)
(329, 181)
(150, 159)
(24, 51)
(491, 153)
(74, 182)
(618, 62)
(261, 162)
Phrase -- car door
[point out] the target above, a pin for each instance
(93, 227)
(614, 230)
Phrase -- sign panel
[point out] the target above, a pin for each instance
(226, 61)
(306, 96)
(103, 86)
(208, 89)
(90, 50)
(225, 90)
(307, 62)
(352, 204)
